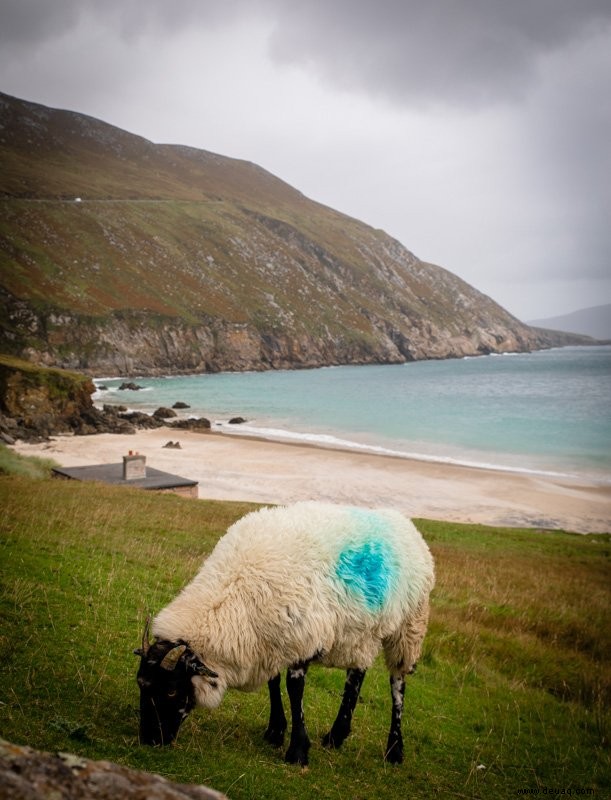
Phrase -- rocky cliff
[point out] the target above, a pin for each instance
(39, 402)
(36, 403)
(120, 256)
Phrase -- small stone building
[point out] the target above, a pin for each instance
(132, 472)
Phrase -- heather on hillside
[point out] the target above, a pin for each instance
(124, 256)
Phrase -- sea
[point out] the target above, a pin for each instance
(546, 412)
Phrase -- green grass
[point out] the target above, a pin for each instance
(26, 466)
(512, 692)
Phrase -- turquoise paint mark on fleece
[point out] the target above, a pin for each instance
(367, 569)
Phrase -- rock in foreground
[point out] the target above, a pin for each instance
(27, 773)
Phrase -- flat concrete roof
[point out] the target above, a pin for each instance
(113, 473)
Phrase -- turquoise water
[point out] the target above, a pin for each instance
(543, 411)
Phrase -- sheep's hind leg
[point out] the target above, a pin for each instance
(341, 727)
(394, 747)
(300, 742)
(277, 720)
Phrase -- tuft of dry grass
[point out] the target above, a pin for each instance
(537, 614)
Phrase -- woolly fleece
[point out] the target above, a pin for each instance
(311, 580)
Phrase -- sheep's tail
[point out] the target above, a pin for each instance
(403, 648)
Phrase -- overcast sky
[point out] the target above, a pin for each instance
(477, 132)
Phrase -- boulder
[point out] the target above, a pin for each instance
(141, 420)
(179, 404)
(193, 424)
(27, 773)
(237, 421)
(129, 385)
(164, 413)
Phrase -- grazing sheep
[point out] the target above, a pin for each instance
(283, 588)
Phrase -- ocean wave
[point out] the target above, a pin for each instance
(495, 355)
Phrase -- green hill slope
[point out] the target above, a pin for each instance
(122, 256)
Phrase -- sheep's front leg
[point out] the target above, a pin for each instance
(341, 727)
(300, 743)
(277, 721)
(394, 747)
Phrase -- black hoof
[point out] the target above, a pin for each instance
(275, 736)
(333, 741)
(329, 741)
(394, 755)
(297, 755)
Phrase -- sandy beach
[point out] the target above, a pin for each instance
(230, 467)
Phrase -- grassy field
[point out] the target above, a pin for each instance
(512, 692)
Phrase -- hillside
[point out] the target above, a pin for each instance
(120, 256)
(595, 321)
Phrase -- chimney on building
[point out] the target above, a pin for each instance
(134, 466)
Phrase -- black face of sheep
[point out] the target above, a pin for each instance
(166, 690)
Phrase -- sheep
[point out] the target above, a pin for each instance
(286, 587)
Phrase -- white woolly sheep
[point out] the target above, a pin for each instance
(283, 588)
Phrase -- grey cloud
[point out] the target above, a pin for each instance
(133, 18)
(475, 52)
(568, 144)
(30, 21)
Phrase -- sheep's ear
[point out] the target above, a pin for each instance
(197, 667)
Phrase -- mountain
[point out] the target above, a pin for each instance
(121, 256)
(595, 321)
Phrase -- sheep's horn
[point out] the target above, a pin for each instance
(172, 657)
(145, 637)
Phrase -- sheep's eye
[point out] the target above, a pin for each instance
(172, 693)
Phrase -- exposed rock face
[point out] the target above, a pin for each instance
(118, 346)
(43, 399)
(38, 402)
(35, 402)
(26, 774)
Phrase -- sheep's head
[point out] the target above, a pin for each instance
(167, 694)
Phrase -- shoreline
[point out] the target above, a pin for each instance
(330, 442)
(248, 468)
